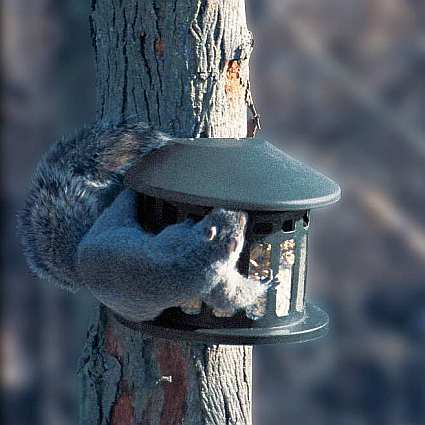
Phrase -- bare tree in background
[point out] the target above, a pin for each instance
(40, 327)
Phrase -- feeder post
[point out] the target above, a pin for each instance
(183, 67)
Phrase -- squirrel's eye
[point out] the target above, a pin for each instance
(212, 233)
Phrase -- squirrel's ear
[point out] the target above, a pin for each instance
(211, 233)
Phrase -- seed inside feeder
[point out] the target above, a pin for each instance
(260, 261)
(283, 290)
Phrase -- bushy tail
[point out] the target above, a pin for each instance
(73, 183)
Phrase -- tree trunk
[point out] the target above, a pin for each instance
(183, 67)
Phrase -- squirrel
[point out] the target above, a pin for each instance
(79, 228)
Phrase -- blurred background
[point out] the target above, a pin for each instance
(341, 84)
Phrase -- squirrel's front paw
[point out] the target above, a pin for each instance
(257, 310)
(193, 306)
(229, 312)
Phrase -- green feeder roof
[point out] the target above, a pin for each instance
(249, 174)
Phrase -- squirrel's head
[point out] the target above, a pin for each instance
(223, 231)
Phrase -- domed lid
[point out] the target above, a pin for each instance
(248, 174)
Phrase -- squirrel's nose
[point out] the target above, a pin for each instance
(243, 220)
(233, 244)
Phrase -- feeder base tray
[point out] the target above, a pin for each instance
(313, 325)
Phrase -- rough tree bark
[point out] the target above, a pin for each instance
(181, 65)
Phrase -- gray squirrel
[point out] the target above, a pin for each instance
(79, 228)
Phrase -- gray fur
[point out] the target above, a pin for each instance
(76, 231)
(75, 180)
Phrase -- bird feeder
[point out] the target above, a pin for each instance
(192, 176)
